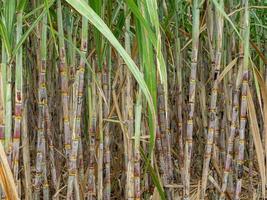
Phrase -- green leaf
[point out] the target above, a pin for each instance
(154, 177)
(5, 39)
(21, 5)
(221, 10)
(30, 29)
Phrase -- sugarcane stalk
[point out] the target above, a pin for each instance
(100, 153)
(215, 145)
(43, 103)
(41, 167)
(137, 170)
(80, 160)
(46, 114)
(178, 64)
(63, 80)
(18, 101)
(192, 92)
(38, 179)
(165, 141)
(78, 102)
(45, 174)
(230, 142)
(9, 15)
(2, 108)
(51, 147)
(162, 57)
(105, 85)
(234, 94)
(243, 106)
(8, 113)
(2, 100)
(222, 135)
(213, 103)
(128, 112)
(161, 159)
(26, 153)
(92, 146)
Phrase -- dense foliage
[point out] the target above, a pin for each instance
(130, 99)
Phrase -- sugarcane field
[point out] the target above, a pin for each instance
(133, 99)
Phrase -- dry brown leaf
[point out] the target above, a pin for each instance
(256, 139)
(6, 177)
(264, 99)
(2, 113)
(227, 69)
(155, 195)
